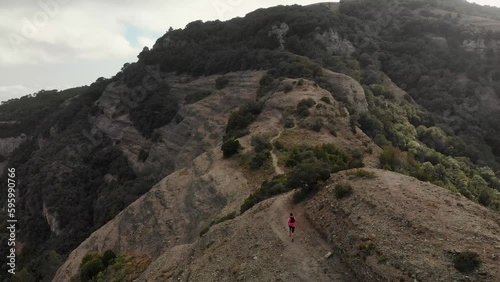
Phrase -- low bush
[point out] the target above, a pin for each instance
(308, 103)
(276, 186)
(467, 262)
(259, 159)
(230, 148)
(343, 190)
(326, 100)
(260, 143)
(241, 119)
(288, 88)
(317, 125)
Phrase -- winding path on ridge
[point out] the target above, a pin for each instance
(277, 169)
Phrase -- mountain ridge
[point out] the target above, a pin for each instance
(394, 101)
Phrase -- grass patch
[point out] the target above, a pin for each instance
(360, 173)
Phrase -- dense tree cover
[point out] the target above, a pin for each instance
(428, 153)
(447, 80)
(28, 110)
(157, 110)
(84, 182)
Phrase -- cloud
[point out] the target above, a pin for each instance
(13, 91)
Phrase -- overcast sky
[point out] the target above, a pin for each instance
(57, 44)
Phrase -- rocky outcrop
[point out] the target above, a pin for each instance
(51, 221)
(196, 128)
(481, 46)
(439, 41)
(280, 33)
(347, 88)
(334, 43)
(9, 144)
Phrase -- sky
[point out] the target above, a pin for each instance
(58, 44)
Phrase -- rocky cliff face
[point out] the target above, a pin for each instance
(196, 128)
(481, 46)
(8, 145)
(334, 43)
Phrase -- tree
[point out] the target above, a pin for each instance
(230, 148)
(91, 268)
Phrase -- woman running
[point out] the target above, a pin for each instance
(291, 225)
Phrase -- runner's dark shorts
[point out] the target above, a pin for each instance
(291, 228)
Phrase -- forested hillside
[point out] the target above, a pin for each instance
(430, 71)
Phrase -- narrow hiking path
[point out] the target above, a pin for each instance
(307, 253)
(277, 169)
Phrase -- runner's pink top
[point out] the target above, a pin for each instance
(291, 224)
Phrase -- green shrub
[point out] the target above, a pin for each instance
(303, 111)
(91, 268)
(266, 79)
(108, 257)
(467, 262)
(268, 189)
(301, 82)
(221, 82)
(260, 143)
(326, 100)
(308, 103)
(288, 88)
(230, 148)
(88, 257)
(343, 190)
(484, 198)
(379, 90)
(279, 146)
(306, 176)
(317, 125)
(353, 122)
(259, 159)
(241, 119)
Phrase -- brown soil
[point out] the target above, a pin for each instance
(398, 228)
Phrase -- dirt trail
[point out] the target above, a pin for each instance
(278, 170)
(307, 253)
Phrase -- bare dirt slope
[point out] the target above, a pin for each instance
(254, 247)
(396, 227)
